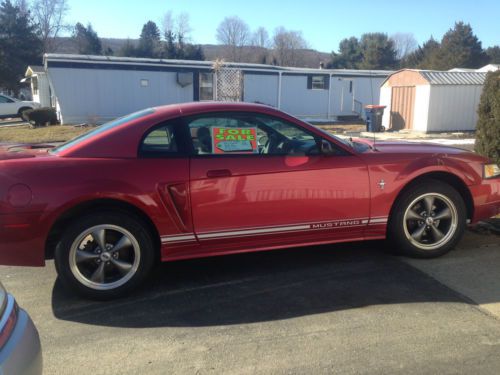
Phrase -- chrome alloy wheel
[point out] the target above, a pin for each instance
(430, 221)
(104, 257)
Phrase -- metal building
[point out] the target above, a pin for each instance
(431, 101)
(95, 89)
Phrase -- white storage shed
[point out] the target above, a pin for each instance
(431, 101)
(99, 88)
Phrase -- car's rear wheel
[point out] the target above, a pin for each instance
(428, 220)
(105, 255)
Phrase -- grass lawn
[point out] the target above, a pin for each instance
(24, 134)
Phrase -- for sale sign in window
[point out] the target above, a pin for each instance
(234, 140)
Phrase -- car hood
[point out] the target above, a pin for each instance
(396, 147)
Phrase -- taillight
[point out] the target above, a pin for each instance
(10, 323)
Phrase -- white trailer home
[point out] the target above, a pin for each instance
(431, 101)
(99, 88)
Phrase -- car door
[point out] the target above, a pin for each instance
(258, 181)
(7, 106)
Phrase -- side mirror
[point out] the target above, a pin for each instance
(327, 148)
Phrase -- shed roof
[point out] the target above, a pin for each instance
(436, 77)
(34, 69)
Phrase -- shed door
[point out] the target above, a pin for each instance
(402, 107)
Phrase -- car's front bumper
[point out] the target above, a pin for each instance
(486, 198)
(22, 354)
(22, 240)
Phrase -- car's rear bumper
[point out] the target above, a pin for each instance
(22, 354)
(22, 240)
(486, 199)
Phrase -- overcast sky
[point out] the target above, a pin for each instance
(323, 23)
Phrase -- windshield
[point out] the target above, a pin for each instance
(101, 129)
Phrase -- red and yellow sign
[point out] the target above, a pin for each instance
(234, 140)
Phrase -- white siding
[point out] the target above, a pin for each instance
(297, 100)
(385, 99)
(453, 107)
(367, 90)
(43, 94)
(421, 109)
(92, 95)
(341, 97)
(261, 88)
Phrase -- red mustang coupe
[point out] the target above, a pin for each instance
(203, 179)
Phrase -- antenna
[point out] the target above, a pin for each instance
(371, 92)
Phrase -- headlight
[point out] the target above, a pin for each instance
(491, 170)
(8, 316)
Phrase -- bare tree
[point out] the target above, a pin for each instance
(404, 44)
(168, 22)
(234, 33)
(178, 26)
(260, 38)
(49, 16)
(183, 26)
(287, 46)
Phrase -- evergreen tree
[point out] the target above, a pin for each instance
(193, 52)
(372, 51)
(86, 39)
(378, 51)
(460, 48)
(149, 41)
(493, 54)
(170, 47)
(349, 56)
(128, 49)
(488, 124)
(424, 57)
(19, 45)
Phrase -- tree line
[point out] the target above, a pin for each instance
(30, 29)
(458, 48)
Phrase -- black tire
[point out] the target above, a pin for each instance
(78, 256)
(418, 231)
(21, 114)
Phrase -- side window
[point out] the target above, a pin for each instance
(219, 135)
(319, 82)
(206, 86)
(3, 99)
(248, 134)
(160, 141)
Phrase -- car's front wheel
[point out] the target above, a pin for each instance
(428, 220)
(105, 255)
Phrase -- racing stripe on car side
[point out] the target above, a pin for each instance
(256, 231)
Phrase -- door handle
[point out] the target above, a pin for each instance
(214, 173)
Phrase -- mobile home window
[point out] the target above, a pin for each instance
(206, 86)
(318, 82)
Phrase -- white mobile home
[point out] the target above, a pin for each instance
(431, 101)
(98, 88)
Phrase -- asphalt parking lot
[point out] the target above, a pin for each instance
(345, 309)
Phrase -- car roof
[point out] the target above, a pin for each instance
(211, 106)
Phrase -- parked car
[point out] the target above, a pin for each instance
(11, 107)
(203, 179)
(20, 349)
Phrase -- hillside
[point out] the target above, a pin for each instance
(309, 58)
